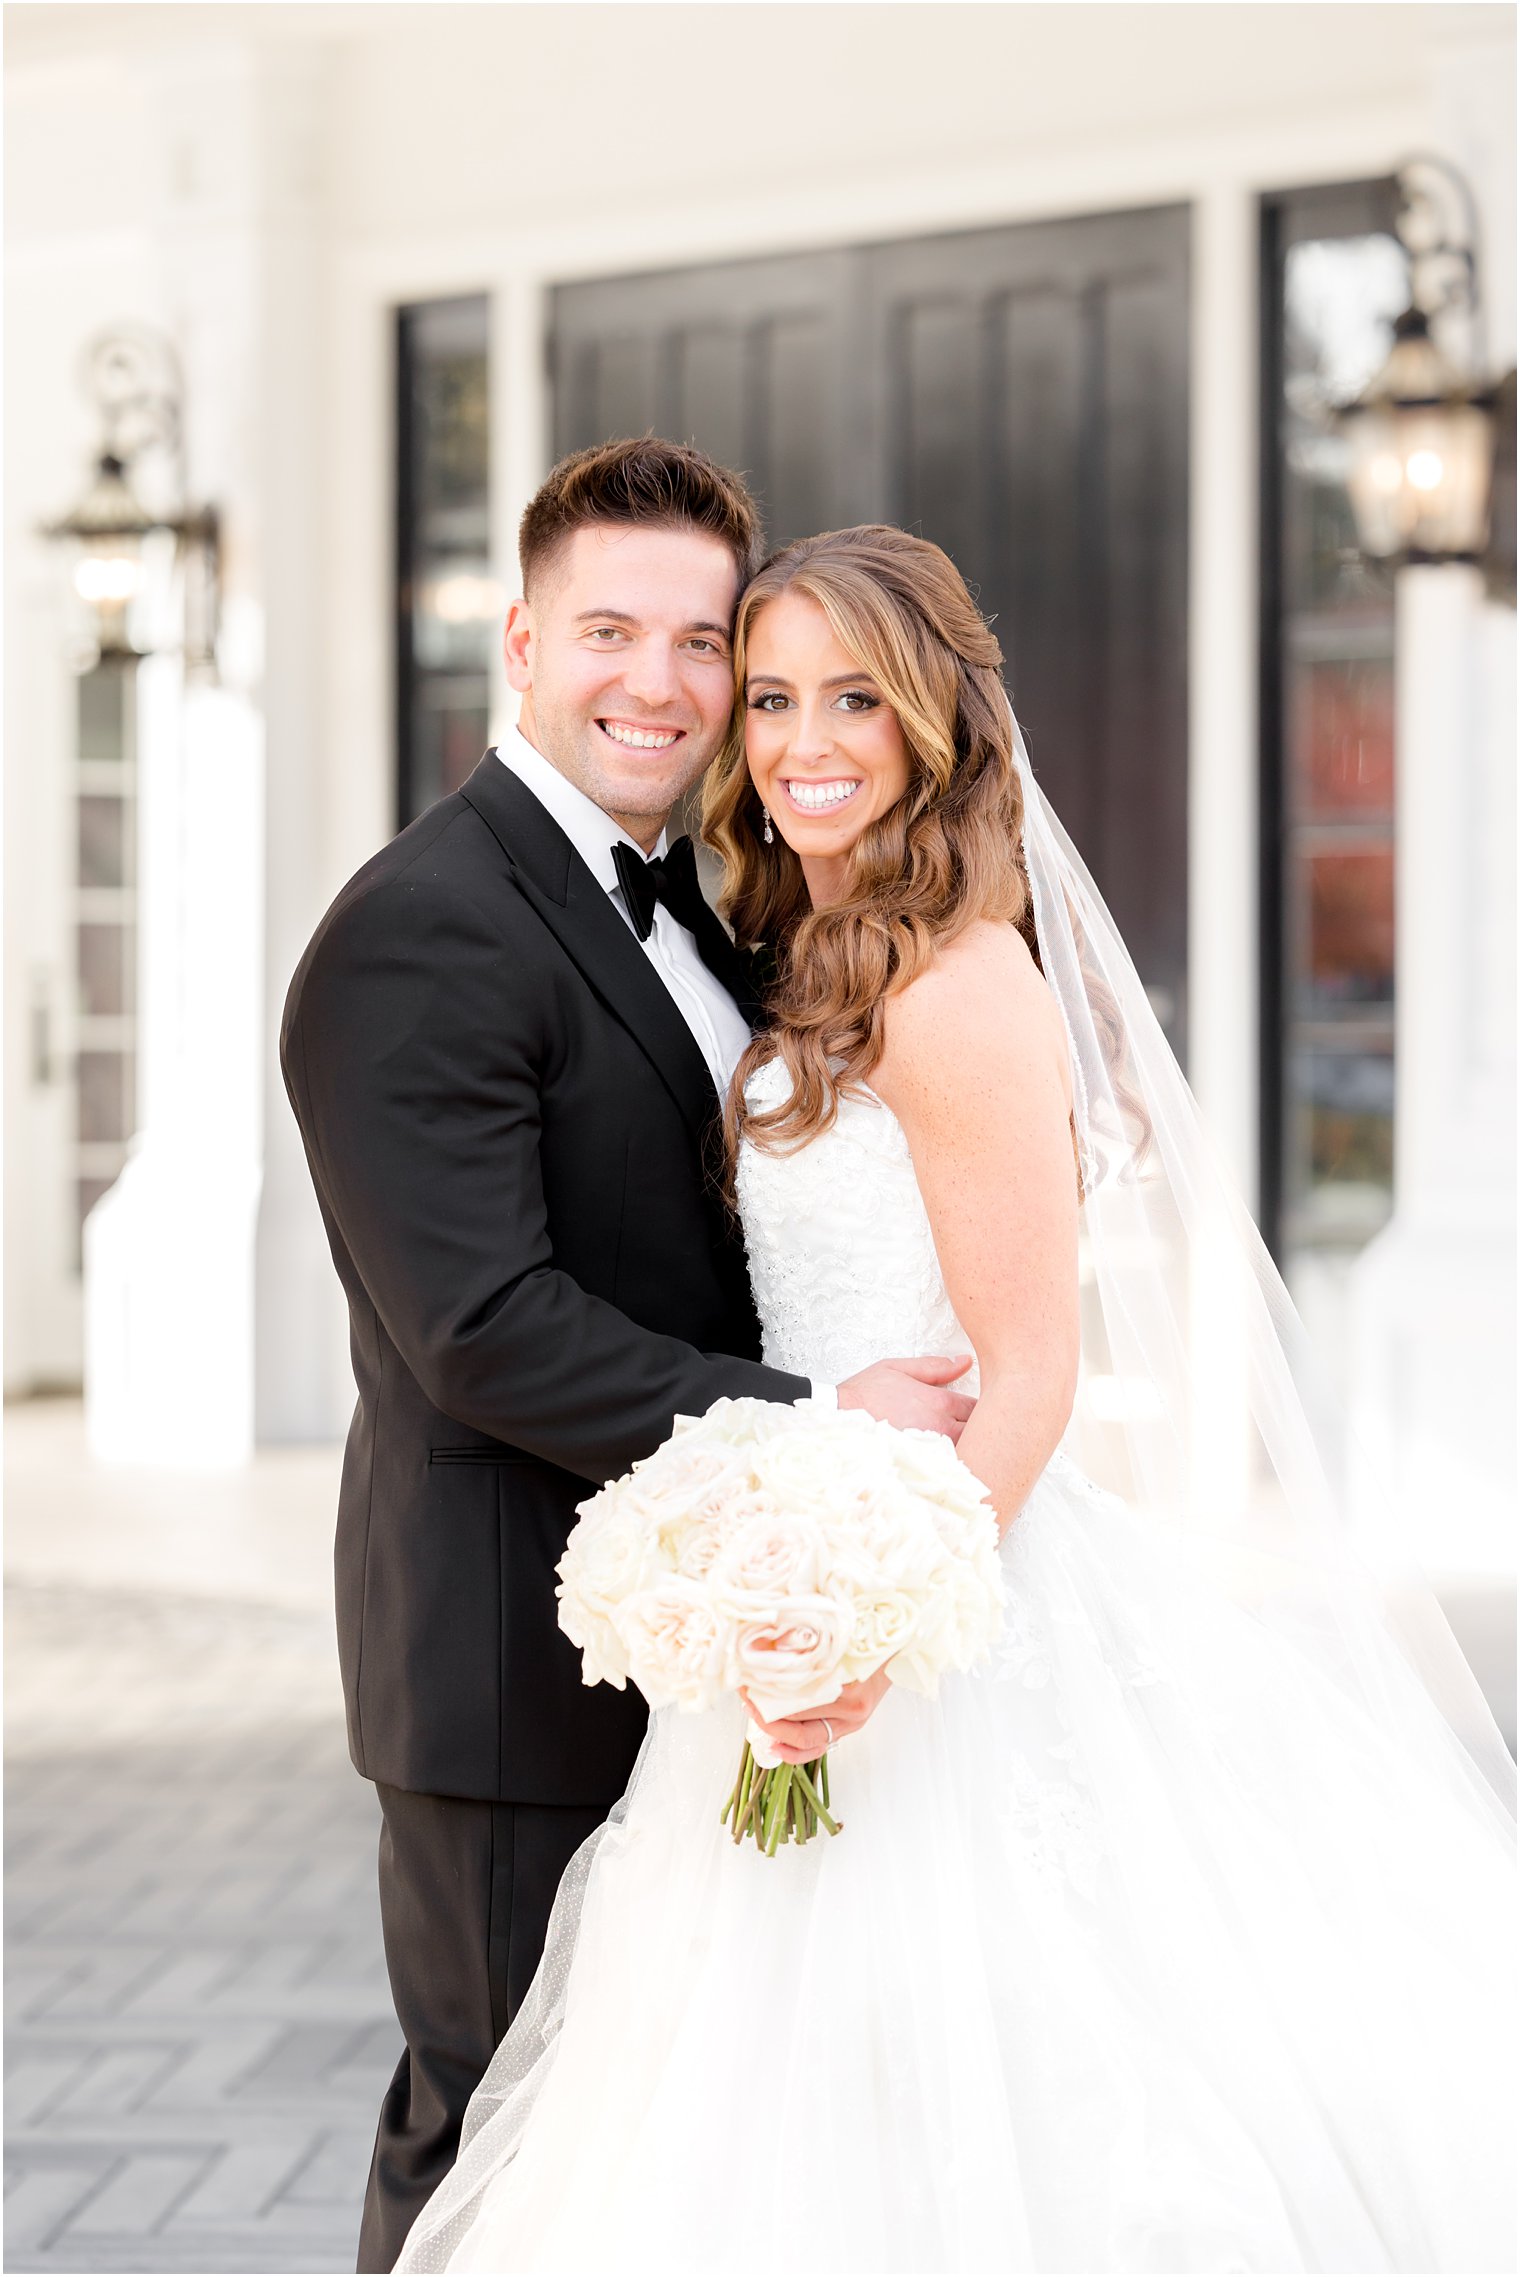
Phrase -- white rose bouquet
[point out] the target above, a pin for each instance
(784, 1552)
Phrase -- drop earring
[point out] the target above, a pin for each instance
(767, 833)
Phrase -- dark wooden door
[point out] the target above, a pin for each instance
(1020, 396)
(748, 359)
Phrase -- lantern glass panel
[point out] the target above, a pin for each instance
(1419, 479)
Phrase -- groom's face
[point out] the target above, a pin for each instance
(622, 659)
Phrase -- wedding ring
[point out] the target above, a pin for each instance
(828, 1727)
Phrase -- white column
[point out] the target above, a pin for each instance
(168, 1252)
(1222, 835)
(208, 1293)
(1222, 650)
(1433, 1343)
(303, 1386)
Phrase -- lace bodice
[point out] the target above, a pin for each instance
(841, 1257)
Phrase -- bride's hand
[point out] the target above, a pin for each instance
(799, 1739)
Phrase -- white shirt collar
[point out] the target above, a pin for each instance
(590, 831)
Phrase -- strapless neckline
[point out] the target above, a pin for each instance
(841, 1252)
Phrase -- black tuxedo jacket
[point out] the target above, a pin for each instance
(511, 1133)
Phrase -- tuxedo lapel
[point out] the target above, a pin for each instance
(579, 912)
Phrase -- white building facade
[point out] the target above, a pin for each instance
(269, 186)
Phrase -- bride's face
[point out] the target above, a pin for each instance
(826, 753)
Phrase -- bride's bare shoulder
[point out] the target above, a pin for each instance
(982, 1001)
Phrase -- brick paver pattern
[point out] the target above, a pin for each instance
(199, 2029)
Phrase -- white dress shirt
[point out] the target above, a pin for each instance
(718, 1027)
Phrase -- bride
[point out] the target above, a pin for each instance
(1175, 1936)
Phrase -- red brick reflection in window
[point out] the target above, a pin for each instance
(1343, 738)
(1351, 926)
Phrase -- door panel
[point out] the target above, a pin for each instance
(745, 358)
(1039, 543)
(1037, 429)
(711, 388)
(1020, 396)
(934, 355)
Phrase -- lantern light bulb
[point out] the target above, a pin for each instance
(464, 599)
(1426, 469)
(107, 580)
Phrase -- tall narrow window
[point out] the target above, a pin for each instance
(448, 605)
(1335, 278)
(105, 930)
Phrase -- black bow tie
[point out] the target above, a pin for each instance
(672, 879)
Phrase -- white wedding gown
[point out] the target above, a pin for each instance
(1140, 1949)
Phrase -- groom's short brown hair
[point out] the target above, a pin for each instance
(641, 481)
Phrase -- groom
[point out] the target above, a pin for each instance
(506, 1047)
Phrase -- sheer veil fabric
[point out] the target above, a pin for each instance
(1169, 1941)
(1200, 1398)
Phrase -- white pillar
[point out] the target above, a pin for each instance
(1223, 946)
(1433, 1297)
(303, 1386)
(168, 1252)
(208, 1294)
(1222, 833)
(1433, 1321)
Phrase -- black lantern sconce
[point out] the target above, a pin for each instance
(133, 378)
(1423, 435)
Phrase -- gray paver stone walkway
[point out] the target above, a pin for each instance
(199, 2029)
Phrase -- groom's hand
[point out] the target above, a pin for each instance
(913, 1394)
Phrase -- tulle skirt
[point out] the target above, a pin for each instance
(1141, 1949)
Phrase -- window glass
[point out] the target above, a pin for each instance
(449, 605)
(1330, 940)
(105, 932)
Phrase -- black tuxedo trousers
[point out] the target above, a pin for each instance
(514, 1142)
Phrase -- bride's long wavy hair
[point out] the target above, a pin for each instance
(947, 854)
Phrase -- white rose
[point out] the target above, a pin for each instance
(886, 1620)
(677, 1647)
(608, 1556)
(959, 1616)
(770, 1558)
(897, 1532)
(735, 1423)
(698, 1543)
(818, 1471)
(604, 1659)
(792, 1661)
(685, 1474)
(928, 1464)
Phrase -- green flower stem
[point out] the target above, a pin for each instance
(786, 1804)
(749, 1810)
(781, 1786)
(811, 1797)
